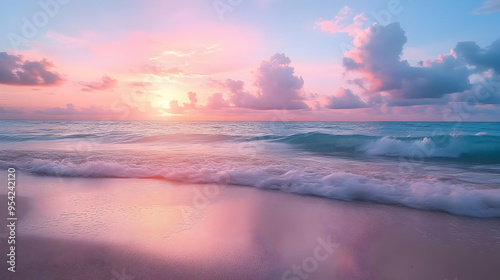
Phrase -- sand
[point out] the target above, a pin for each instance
(76, 228)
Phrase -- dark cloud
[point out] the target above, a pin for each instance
(105, 83)
(357, 82)
(482, 59)
(417, 102)
(486, 65)
(345, 99)
(14, 70)
(377, 57)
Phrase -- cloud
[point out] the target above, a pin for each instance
(358, 82)
(483, 59)
(140, 84)
(484, 91)
(417, 102)
(158, 71)
(277, 87)
(345, 99)
(16, 71)
(377, 57)
(488, 7)
(117, 111)
(337, 24)
(175, 108)
(341, 24)
(216, 101)
(73, 110)
(192, 99)
(105, 83)
(178, 54)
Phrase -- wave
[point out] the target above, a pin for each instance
(477, 148)
(480, 148)
(428, 194)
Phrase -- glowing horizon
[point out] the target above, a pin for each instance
(266, 60)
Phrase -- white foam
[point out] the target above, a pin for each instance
(429, 194)
(455, 147)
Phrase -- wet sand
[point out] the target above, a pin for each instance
(76, 228)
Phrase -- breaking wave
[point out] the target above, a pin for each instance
(428, 194)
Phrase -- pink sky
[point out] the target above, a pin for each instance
(192, 64)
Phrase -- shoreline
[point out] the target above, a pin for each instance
(153, 229)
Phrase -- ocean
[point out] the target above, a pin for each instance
(450, 167)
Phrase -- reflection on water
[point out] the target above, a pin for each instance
(245, 231)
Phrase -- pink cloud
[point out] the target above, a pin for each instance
(170, 73)
(105, 83)
(207, 49)
(71, 109)
(216, 102)
(277, 87)
(344, 22)
(175, 108)
(9, 110)
(377, 58)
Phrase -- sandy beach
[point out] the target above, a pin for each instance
(76, 228)
(250, 140)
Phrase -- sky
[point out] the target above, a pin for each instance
(244, 60)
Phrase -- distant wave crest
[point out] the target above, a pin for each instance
(478, 148)
(481, 148)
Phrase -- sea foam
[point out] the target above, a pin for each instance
(428, 194)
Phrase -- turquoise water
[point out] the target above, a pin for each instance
(452, 167)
